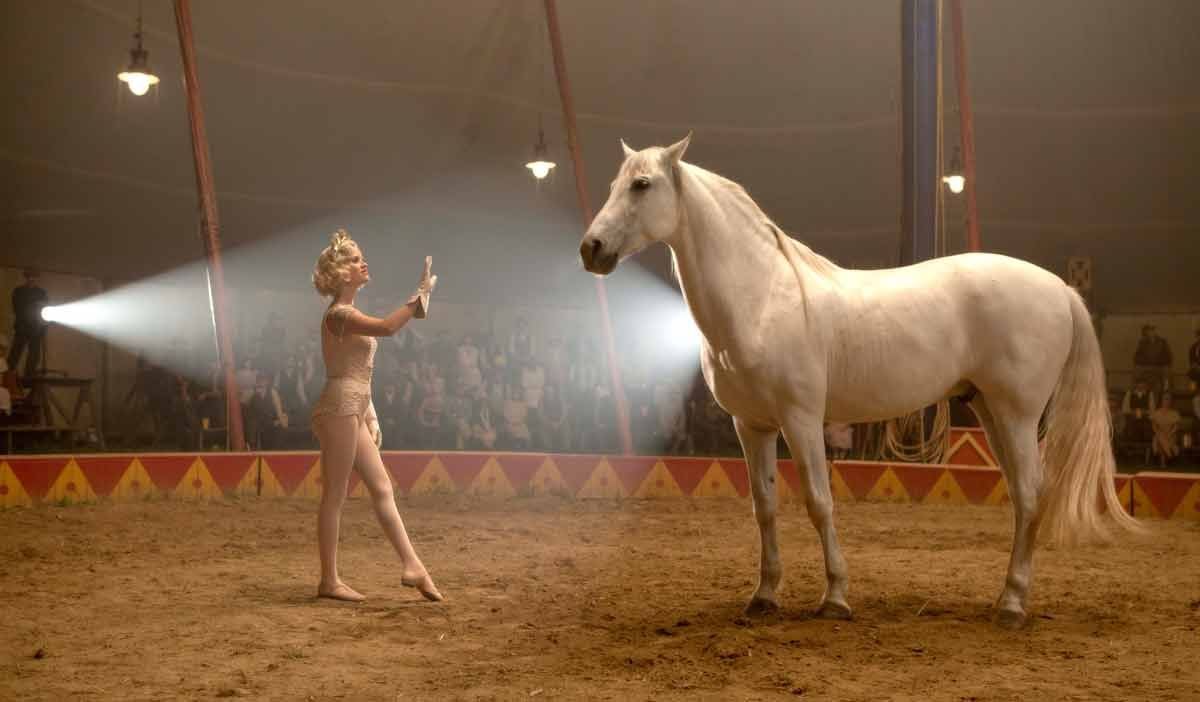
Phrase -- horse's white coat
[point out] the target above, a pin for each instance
(792, 340)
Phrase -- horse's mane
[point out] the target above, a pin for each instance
(801, 258)
(815, 261)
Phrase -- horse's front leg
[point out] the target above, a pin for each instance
(759, 447)
(807, 441)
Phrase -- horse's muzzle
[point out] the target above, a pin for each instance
(595, 258)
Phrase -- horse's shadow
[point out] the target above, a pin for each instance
(800, 622)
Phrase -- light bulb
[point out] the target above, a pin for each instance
(540, 169)
(955, 182)
(139, 83)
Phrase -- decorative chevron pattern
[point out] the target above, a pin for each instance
(33, 480)
(968, 446)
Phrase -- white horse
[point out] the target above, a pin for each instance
(792, 340)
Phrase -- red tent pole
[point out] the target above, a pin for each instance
(210, 225)
(585, 208)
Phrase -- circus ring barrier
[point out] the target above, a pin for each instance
(968, 476)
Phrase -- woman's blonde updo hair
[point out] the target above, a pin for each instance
(333, 265)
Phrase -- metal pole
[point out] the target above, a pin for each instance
(585, 208)
(919, 119)
(921, 147)
(966, 125)
(210, 225)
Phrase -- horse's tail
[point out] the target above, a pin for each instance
(1078, 492)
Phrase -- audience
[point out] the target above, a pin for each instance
(506, 392)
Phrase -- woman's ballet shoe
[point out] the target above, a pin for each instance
(342, 592)
(425, 586)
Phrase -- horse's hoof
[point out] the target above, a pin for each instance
(760, 606)
(833, 610)
(1011, 619)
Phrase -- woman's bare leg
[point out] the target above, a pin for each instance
(375, 476)
(339, 442)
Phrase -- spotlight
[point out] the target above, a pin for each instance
(86, 314)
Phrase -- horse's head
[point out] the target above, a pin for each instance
(643, 207)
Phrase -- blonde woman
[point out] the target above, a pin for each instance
(344, 419)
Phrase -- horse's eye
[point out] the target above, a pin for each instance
(640, 183)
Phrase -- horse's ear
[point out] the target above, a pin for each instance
(628, 151)
(674, 152)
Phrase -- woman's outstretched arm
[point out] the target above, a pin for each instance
(349, 320)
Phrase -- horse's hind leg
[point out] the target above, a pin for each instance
(807, 442)
(759, 447)
(1014, 440)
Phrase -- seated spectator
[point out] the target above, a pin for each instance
(455, 421)
(393, 415)
(521, 346)
(531, 378)
(210, 398)
(557, 366)
(1165, 420)
(312, 371)
(180, 420)
(517, 436)
(497, 391)
(670, 417)
(263, 415)
(1152, 359)
(585, 371)
(533, 381)
(470, 376)
(1136, 409)
(289, 383)
(600, 432)
(429, 414)
(719, 437)
(497, 363)
(430, 378)
(160, 388)
(839, 439)
(642, 424)
(481, 434)
(411, 395)
(246, 378)
(441, 354)
(554, 426)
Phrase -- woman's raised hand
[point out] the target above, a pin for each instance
(424, 288)
(428, 280)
